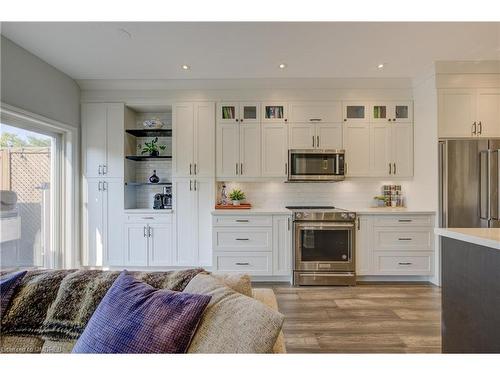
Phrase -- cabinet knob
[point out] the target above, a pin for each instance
(241, 120)
(286, 120)
(345, 119)
(389, 120)
(237, 120)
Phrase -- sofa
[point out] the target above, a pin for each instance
(51, 309)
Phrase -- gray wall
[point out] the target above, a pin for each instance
(29, 83)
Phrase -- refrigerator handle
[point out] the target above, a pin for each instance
(443, 188)
(484, 184)
(494, 185)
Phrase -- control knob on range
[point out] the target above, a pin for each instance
(352, 215)
(343, 215)
(298, 215)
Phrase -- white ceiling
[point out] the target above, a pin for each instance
(252, 50)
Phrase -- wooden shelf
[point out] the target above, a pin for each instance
(150, 132)
(143, 158)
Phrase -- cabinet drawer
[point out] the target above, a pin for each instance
(316, 112)
(404, 220)
(401, 239)
(244, 239)
(242, 220)
(408, 263)
(148, 218)
(251, 263)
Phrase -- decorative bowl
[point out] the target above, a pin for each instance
(155, 123)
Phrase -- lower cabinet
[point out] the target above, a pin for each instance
(394, 245)
(148, 241)
(257, 245)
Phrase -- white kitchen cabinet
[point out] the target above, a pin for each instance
(193, 142)
(136, 245)
(354, 111)
(311, 112)
(282, 245)
(357, 148)
(302, 136)
(391, 111)
(380, 149)
(395, 245)
(457, 112)
(193, 203)
(315, 136)
(238, 112)
(274, 145)
(160, 244)
(488, 113)
(402, 149)
(103, 222)
(238, 150)
(274, 112)
(329, 136)
(103, 127)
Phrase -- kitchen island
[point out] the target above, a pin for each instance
(470, 271)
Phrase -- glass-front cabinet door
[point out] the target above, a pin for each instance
(356, 112)
(228, 113)
(379, 112)
(402, 112)
(249, 112)
(274, 112)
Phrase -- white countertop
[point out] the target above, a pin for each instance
(391, 211)
(253, 211)
(489, 237)
(147, 211)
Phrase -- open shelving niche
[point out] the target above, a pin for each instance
(139, 192)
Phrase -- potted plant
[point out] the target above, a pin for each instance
(152, 148)
(236, 196)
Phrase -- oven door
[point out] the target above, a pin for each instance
(324, 246)
(310, 165)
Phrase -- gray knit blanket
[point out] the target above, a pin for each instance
(57, 304)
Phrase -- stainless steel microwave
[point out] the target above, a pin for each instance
(316, 165)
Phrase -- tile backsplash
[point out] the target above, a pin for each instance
(356, 194)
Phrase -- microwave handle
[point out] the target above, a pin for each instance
(337, 164)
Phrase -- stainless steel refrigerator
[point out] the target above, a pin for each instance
(469, 179)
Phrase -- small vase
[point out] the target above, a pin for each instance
(155, 153)
(236, 203)
(154, 179)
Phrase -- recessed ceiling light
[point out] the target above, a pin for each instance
(282, 66)
(185, 67)
(380, 66)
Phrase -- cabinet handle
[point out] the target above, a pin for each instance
(405, 220)
(236, 168)
(405, 263)
(144, 232)
(480, 128)
(359, 224)
(345, 167)
(474, 129)
(104, 169)
(242, 239)
(393, 120)
(241, 220)
(405, 239)
(194, 185)
(190, 169)
(190, 185)
(99, 186)
(390, 169)
(241, 169)
(286, 169)
(99, 170)
(394, 168)
(150, 231)
(315, 119)
(313, 141)
(241, 120)
(317, 141)
(288, 224)
(104, 186)
(195, 168)
(148, 218)
(242, 263)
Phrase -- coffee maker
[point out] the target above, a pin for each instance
(163, 200)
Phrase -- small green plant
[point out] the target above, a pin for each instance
(379, 198)
(152, 148)
(236, 195)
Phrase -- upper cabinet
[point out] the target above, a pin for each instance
(274, 112)
(102, 139)
(317, 112)
(193, 140)
(231, 112)
(356, 112)
(391, 112)
(469, 113)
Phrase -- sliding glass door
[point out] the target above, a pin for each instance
(30, 185)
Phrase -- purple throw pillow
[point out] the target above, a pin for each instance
(134, 317)
(8, 284)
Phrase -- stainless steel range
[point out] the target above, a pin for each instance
(324, 243)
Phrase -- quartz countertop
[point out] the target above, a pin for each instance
(391, 211)
(489, 237)
(253, 211)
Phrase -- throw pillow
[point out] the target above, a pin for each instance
(8, 284)
(134, 317)
(242, 283)
(232, 323)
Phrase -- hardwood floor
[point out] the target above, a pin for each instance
(394, 318)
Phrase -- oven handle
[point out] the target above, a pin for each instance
(323, 225)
